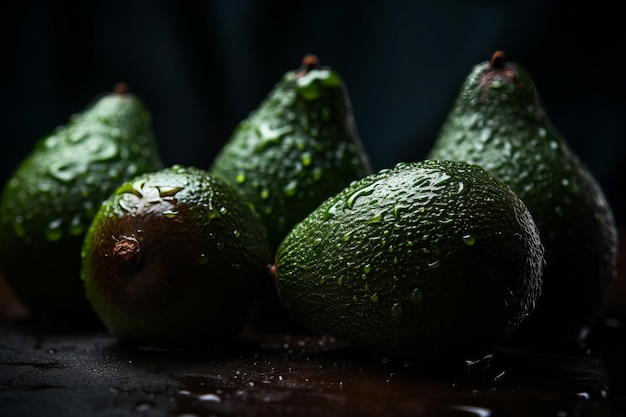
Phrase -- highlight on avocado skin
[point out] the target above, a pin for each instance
(425, 261)
(499, 122)
(49, 200)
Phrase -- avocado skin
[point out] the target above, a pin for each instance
(204, 255)
(52, 195)
(499, 122)
(445, 244)
(297, 148)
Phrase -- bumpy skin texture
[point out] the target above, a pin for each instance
(299, 147)
(499, 123)
(427, 260)
(51, 197)
(174, 259)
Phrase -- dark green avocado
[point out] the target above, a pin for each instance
(499, 122)
(297, 148)
(174, 259)
(432, 260)
(51, 197)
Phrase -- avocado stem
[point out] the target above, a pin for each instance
(497, 60)
(127, 253)
(120, 87)
(309, 62)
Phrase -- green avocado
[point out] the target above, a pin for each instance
(174, 260)
(427, 260)
(499, 122)
(49, 200)
(297, 148)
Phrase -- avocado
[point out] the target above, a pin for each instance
(297, 148)
(50, 198)
(173, 260)
(430, 260)
(499, 122)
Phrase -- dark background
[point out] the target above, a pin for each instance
(202, 66)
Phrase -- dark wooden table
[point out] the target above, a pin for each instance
(49, 369)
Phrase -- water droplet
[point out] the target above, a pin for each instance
(18, 226)
(468, 239)
(291, 188)
(317, 241)
(143, 407)
(210, 397)
(360, 193)
(374, 298)
(271, 134)
(346, 237)
(397, 211)
(367, 268)
(472, 410)
(318, 173)
(202, 259)
(170, 214)
(307, 158)
(308, 86)
(340, 280)
(54, 232)
(236, 233)
(167, 191)
(223, 210)
(416, 296)
(332, 211)
(396, 310)
(542, 132)
(76, 227)
(68, 169)
(377, 218)
(434, 264)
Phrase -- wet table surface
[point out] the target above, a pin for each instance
(51, 370)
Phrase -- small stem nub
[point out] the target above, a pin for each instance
(127, 253)
(497, 60)
(309, 62)
(121, 87)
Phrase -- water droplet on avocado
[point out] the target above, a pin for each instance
(66, 170)
(271, 134)
(18, 226)
(433, 264)
(291, 188)
(367, 268)
(170, 214)
(202, 259)
(76, 227)
(468, 239)
(377, 218)
(396, 310)
(236, 233)
(416, 296)
(223, 210)
(360, 193)
(54, 231)
(374, 298)
(309, 89)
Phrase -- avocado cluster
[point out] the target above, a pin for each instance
(500, 233)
